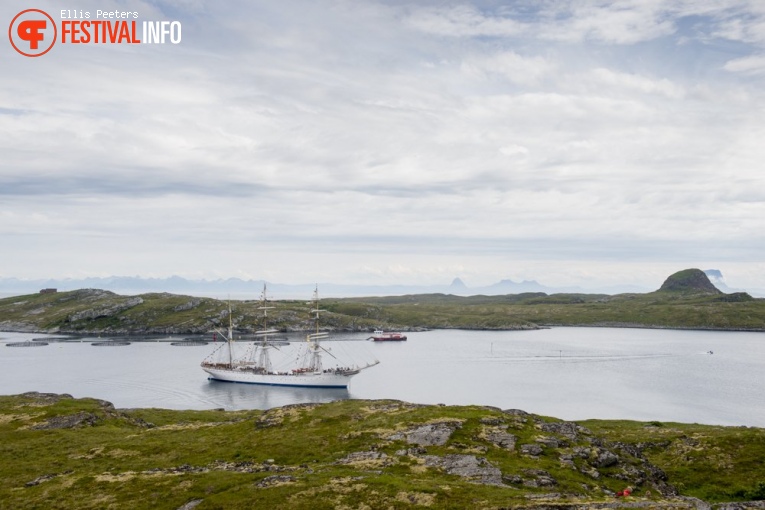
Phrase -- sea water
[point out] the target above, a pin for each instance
(571, 373)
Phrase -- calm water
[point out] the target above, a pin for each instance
(571, 373)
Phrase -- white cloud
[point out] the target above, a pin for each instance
(754, 64)
(513, 150)
(462, 20)
(625, 22)
(510, 66)
(348, 140)
(629, 84)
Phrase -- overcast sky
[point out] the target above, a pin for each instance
(572, 142)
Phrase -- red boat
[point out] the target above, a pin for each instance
(381, 336)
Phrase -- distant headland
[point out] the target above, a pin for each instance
(687, 299)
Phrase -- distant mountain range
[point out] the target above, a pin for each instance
(250, 289)
(243, 289)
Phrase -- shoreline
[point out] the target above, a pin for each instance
(414, 329)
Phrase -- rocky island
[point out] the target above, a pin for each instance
(687, 299)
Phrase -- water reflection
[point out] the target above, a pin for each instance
(235, 396)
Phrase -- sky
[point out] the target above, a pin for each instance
(584, 142)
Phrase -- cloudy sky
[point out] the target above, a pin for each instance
(584, 142)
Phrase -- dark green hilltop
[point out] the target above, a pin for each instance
(687, 299)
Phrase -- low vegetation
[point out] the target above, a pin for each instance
(60, 452)
(686, 300)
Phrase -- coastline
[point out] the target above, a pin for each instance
(27, 328)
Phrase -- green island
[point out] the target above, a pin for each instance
(687, 299)
(61, 452)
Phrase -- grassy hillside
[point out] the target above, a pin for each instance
(59, 452)
(686, 300)
(99, 311)
(656, 309)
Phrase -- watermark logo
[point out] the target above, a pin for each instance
(32, 33)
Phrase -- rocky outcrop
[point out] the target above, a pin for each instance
(41, 399)
(192, 303)
(474, 469)
(365, 458)
(689, 280)
(532, 449)
(568, 429)
(429, 434)
(20, 327)
(501, 438)
(72, 421)
(105, 311)
(273, 480)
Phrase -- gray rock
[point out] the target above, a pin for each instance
(467, 466)
(191, 504)
(502, 439)
(531, 449)
(47, 398)
(591, 472)
(361, 456)
(275, 479)
(568, 429)
(516, 412)
(77, 420)
(193, 303)
(546, 481)
(746, 505)
(605, 459)
(551, 495)
(549, 442)
(512, 479)
(40, 479)
(105, 311)
(540, 478)
(431, 434)
(582, 452)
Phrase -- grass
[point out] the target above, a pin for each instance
(303, 457)
(102, 312)
(708, 462)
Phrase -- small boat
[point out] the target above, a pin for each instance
(254, 366)
(381, 336)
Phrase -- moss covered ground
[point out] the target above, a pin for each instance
(60, 452)
(102, 312)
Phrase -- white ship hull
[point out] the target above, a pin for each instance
(308, 379)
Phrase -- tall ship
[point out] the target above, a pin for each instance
(254, 365)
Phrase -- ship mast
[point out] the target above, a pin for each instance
(230, 338)
(315, 363)
(264, 361)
